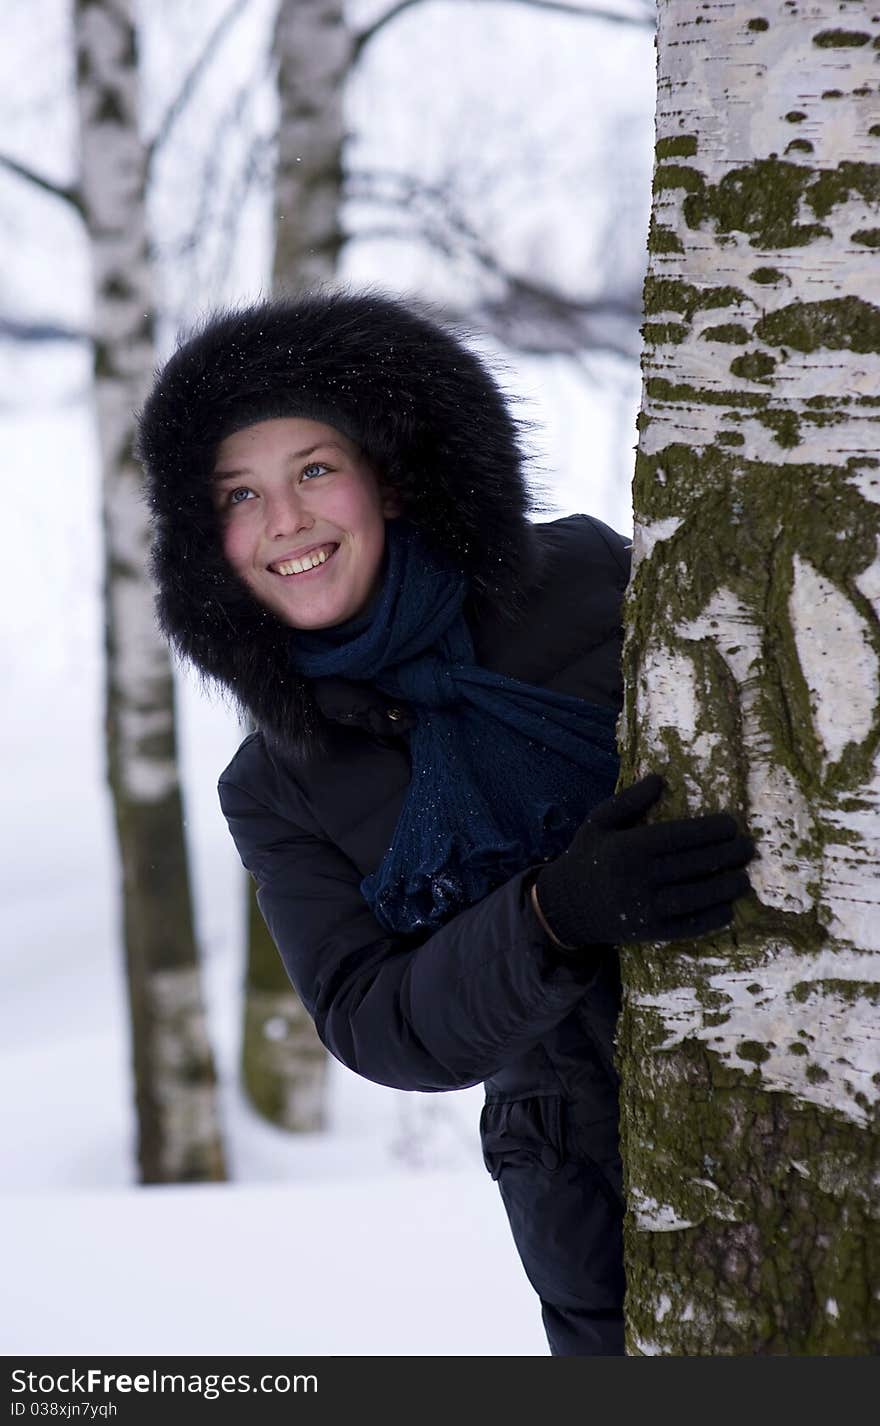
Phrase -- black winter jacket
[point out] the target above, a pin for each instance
(487, 998)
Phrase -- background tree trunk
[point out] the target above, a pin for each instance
(313, 49)
(751, 1059)
(284, 1064)
(178, 1134)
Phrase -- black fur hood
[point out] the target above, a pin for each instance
(399, 379)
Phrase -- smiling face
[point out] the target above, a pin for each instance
(287, 487)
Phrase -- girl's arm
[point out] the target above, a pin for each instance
(443, 1013)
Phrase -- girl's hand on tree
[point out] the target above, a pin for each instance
(620, 882)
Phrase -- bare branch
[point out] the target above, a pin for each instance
(187, 88)
(18, 330)
(438, 210)
(529, 316)
(71, 194)
(644, 20)
(257, 171)
(233, 120)
(533, 318)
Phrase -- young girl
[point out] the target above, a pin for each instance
(341, 540)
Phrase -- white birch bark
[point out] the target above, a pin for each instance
(178, 1135)
(751, 1059)
(313, 48)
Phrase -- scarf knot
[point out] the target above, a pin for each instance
(430, 682)
(503, 771)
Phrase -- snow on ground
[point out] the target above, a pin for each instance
(384, 1265)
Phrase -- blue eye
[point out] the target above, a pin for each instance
(245, 490)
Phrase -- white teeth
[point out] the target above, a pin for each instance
(307, 562)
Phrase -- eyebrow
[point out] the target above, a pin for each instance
(218, 475)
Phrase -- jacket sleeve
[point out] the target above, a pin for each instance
(445, 1013)
(619, 546)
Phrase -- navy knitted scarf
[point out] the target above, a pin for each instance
(503, 772)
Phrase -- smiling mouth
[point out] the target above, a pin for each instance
(310, 564)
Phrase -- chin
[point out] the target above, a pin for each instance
(300, 619)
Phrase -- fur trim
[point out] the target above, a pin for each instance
(426, 411)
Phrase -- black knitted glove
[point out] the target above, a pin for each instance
(619, 882)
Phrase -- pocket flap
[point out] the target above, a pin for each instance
(523, 1131)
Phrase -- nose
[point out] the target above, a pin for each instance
(286, 513)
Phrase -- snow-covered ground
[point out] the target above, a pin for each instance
(381, 1264)
(384, 1235)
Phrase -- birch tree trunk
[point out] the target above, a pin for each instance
(313, 47)
(178, 1135)
(284, 1064)
(751, 1059)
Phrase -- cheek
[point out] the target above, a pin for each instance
(371, 530)
(371, 521)
(234, 543)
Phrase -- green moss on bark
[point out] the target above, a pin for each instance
(785, 425)
(677, 175)
(728, 332)
(841, 323)
(666, 294)
(841, 39)
(659, 389)
(833, 186)
(765, 198)
(662, 240)
(762, 199)
(678, 146)
(753, 1050)
(659, 333)
(753, 366)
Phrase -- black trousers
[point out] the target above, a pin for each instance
(582, 1334)
(567, 1226)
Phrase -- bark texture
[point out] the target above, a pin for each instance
(178, 1134)
(313, 48)
(751, 1059)
(284, 1064)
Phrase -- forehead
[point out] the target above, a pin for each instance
(285, 438)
